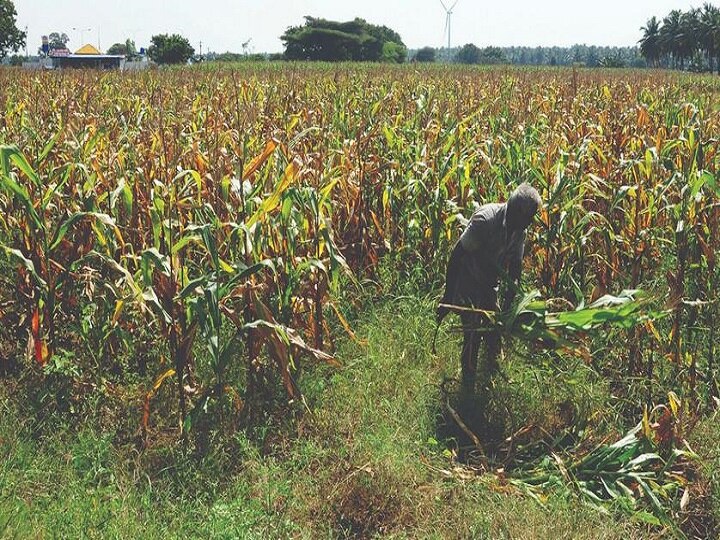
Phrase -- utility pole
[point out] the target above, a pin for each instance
(82, 31)
(26, 40)
(200, 49)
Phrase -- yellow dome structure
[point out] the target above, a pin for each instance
(87, 49)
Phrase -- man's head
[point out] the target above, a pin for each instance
(522, 206)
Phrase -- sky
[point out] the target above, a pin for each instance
(224, 25)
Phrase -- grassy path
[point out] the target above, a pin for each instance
(369, 462)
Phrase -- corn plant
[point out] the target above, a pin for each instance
(215, 213)
(40, 234)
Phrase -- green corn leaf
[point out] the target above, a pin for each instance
(151, 298)
(65, 226)
(7, 181)
(50, 145)
(24, 261)
(191, 287)
(647, 517)
(153, 257)
(13, 154)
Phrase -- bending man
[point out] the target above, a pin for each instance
(491, 246)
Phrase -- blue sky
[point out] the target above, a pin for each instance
(224, 25)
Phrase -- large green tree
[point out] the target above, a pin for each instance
(426, 54)
(170, 49)
(332, 41)
(393, 52)
(492, 55)
(58, 40)
(468, 54)
(11, 38)
(127, 48)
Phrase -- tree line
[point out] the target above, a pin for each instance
(585, 55)
(681, 40)
(684, 39)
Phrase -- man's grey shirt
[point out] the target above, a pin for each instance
(493, 250)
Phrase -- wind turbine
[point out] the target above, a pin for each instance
(448, 17)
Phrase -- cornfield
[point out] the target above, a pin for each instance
(177, 225)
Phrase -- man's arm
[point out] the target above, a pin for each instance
(516, 251)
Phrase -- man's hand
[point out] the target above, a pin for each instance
(509, 297)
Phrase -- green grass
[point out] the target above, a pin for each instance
(372, 460)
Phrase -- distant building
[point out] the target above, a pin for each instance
(85, 57)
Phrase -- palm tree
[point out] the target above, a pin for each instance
(670, 35)
(688, 41)
(693, 35)
(650, 44)
(709, 23)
